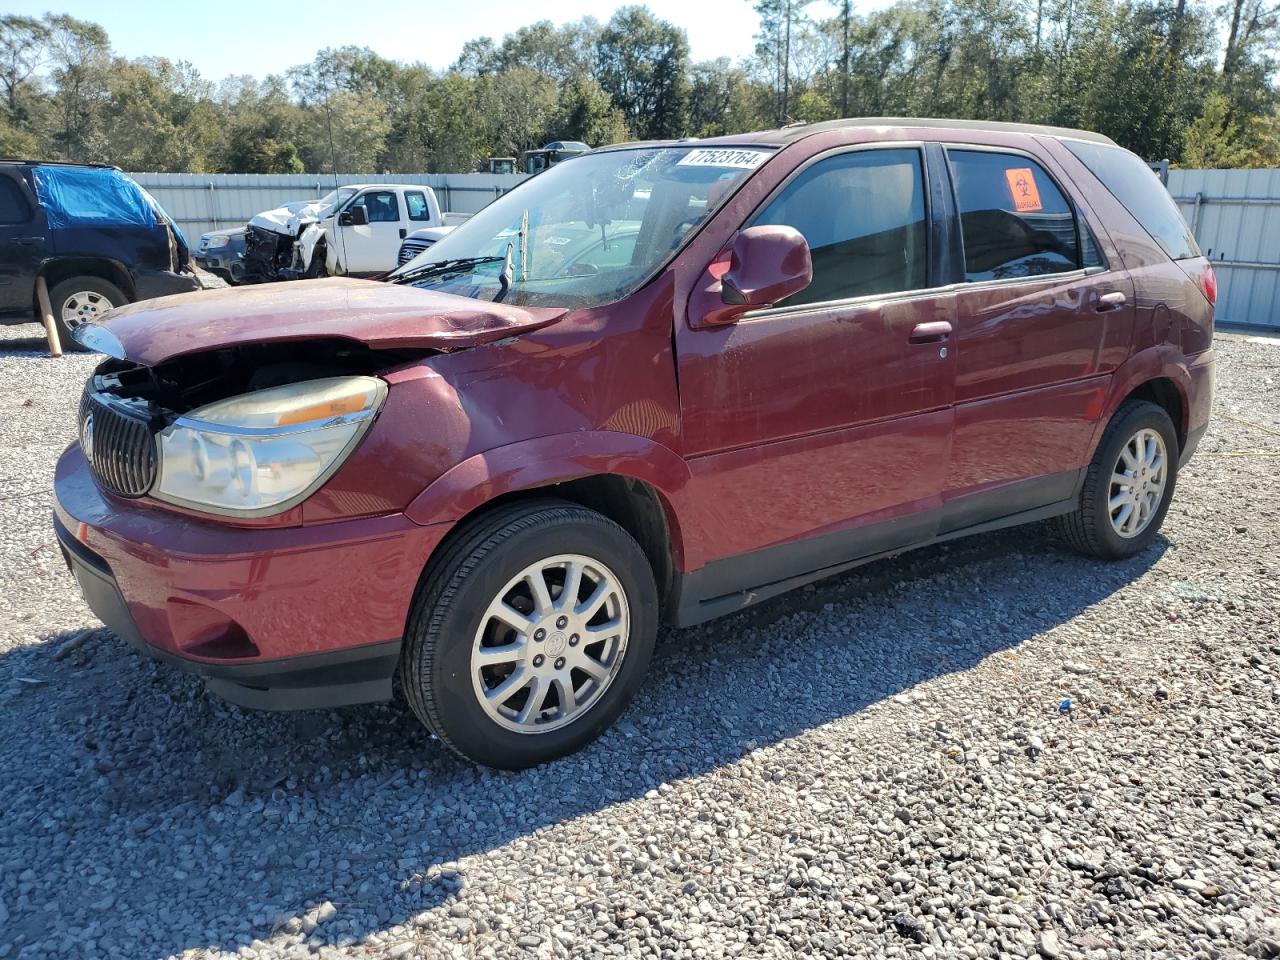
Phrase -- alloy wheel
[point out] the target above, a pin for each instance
(83, 307)
(1138, 483)
(550, 643)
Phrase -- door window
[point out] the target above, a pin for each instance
(863, 214)
(381, 206)
(417, 204)
(13, 205)
(1014, 220)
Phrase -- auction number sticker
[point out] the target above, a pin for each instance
(724, 157)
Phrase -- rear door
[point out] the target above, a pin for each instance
(372, 248)
(1042, 320)
(23, 241)
(818, 430)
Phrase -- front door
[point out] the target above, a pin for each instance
(1041, 322)
(23, 241)
(374, 246)
(817, 430)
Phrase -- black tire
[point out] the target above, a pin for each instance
(60, 293)
(456, 589)
(1088, 528)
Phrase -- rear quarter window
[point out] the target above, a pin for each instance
(1140, 192)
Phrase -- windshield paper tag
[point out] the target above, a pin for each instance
(723, 157)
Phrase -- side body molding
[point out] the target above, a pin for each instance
(559, 458)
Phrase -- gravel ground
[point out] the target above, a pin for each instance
(878, 766)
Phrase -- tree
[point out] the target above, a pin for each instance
(346, 133)
(643, 64)
(81, 56)
(516, 106)
(23, 47)
(158, 116)
(585, 112)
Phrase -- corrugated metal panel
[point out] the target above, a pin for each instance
(202, 202)
(1236, 218)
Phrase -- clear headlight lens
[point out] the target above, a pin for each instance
(262, 452)
(216, 242)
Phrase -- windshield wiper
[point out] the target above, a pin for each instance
(428, 270)
(504, 277)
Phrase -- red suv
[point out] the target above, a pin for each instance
(653, 385)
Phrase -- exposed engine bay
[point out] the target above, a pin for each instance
(164, 392)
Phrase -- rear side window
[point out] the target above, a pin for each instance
(1140, 191)
(13, 205)
(417, 204)
(863, 214)
(1014, 220)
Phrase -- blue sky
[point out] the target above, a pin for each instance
(223, 37)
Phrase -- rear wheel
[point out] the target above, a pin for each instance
(530, 634)
(1128, 486)
(82, 300)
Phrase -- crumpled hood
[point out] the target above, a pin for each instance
(379, 315)
(288, 218)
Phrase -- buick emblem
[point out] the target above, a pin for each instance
(86, 437)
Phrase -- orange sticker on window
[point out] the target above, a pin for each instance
(1022, 187)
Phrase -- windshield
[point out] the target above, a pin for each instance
(332, 200)
(588, 232)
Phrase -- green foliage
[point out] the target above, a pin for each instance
(643, 64)
(1166, 78)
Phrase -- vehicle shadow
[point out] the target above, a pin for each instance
(140, 795)
(35, 343)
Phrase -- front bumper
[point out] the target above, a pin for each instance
(274, 618)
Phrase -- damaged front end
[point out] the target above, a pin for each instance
(245, 402)
(280, 256)
(244, 431)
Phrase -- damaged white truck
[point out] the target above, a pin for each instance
(354, 230)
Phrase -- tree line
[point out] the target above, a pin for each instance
(1166, 78)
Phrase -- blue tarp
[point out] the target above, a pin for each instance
(95, 197)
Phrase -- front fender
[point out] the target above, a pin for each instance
(544, 461)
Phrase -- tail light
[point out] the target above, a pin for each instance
(1209, 284)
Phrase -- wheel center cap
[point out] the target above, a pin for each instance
(556, 644)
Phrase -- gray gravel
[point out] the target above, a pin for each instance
(878, 766)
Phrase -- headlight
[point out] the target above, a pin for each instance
(262, 452)
(216, 241)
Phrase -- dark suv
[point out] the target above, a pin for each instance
(656, 384)
(97, 238)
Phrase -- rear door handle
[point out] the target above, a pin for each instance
(1110, 301)
(28, 241)
(402, 232)
(931, 332)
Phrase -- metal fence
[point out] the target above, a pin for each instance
(201, 202)
(1235, 215)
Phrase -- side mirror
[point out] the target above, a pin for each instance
(354, 217)
(766, 264)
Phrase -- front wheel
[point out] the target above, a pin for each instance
(530, 634)
(1128, 486)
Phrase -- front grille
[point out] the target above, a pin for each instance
(410, 249)
(120, 447)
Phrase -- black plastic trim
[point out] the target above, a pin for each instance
(763, 574)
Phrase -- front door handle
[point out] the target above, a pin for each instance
(1110, 301)
(28, 241)
(932, 332)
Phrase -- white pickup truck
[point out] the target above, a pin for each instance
(354, 230)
